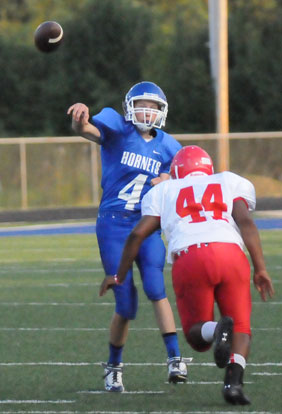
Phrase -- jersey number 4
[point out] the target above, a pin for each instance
(212, 200)
(133, 197)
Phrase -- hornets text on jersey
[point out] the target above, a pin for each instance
(129, 163)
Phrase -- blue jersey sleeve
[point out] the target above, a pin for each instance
(109, 122)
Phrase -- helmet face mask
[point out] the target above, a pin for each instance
(152, 117)
(191, 160)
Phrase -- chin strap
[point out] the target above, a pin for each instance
(143, 128)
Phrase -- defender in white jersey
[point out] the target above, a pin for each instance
(206, 220)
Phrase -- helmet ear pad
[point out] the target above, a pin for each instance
(191, 159)
(147, 91)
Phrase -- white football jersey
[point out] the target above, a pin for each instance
(198, 209)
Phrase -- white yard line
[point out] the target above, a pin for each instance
(267, 303)
(63, 329)
(47, 226)
(124, 392)
(140, 412)
(74, 304)
(60, 260)
(204, 382)
(266, 374)
(155, 364)
(37, 401)
(66, 285)
(99, 304)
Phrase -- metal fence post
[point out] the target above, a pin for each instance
(94, 174)
(23, 171)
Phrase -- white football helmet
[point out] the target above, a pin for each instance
(148, 91)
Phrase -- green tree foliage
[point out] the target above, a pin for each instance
(98, 61)
(102, 55)
(179, 59)
(255, 55)
(111, 44)
(255, 49)
(18, 18)
(187, 81)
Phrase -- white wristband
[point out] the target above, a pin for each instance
(116, 280)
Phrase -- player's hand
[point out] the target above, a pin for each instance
(155, 181)
(80, 113)
(107, 283)
(160, 178)
(263, 284)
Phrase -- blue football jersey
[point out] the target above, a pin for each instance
(129, 162)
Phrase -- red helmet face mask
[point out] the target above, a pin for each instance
(191, 159)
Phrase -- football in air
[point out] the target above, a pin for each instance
(48, 36)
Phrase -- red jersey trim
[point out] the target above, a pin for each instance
(241, 198)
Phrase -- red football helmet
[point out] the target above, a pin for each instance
(191, 159)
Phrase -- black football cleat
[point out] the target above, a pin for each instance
(233, 394)
(222, 341)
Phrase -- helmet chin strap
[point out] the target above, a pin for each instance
(143, 128)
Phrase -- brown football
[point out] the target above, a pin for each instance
(48, 36)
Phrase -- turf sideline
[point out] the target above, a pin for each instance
(87, 228)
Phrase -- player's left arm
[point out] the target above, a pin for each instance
(251, 238)
(146, 226)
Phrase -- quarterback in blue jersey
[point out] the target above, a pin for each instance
(135, 154)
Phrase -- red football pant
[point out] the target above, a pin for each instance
(217, 272)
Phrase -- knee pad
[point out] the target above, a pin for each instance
(153, 283)
(126, 302)
(154, 292)
(151, 266)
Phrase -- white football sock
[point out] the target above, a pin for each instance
(237, 359)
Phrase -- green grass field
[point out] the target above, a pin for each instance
(54, 336)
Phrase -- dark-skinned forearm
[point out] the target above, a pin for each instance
(252, 242)
(130, 251)
(146, 226)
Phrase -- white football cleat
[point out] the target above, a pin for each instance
(113, 377)
(177, 369)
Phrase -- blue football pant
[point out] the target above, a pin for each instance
(112, 231)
